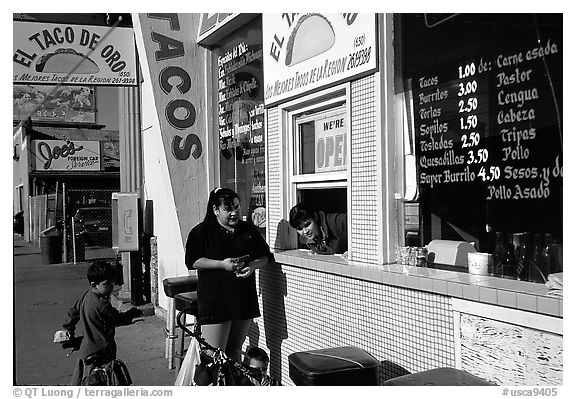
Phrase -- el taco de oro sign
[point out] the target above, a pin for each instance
(303, 52)
(73, 54)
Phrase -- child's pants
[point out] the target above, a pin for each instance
(78, 373)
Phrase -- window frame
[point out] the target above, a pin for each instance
(296, 174)
(317, 103)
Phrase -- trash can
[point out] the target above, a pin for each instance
(51, 245)
(19, 223)
(443, 376)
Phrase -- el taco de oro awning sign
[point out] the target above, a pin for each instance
(73, 54)
(303, 52)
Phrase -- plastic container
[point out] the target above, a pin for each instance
(51, 245)
(442, 376)
(347, 365)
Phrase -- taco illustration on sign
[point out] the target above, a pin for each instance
(312, 35)
(64, 60)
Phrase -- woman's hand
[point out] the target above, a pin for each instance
(245, 269)
(230, 264)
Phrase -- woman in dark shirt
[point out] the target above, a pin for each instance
(227, 299)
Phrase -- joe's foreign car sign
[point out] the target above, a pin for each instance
(66, 155)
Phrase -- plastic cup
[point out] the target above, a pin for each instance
(479, 263)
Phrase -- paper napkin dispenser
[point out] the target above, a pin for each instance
(449, 252)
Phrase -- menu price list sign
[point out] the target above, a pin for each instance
(241, 122)
(450, 119)
(488, 134)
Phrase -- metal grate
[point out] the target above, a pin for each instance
(92, 213)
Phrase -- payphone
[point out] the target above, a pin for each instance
(125, 222)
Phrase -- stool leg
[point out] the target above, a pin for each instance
(170, 330)
(180, 352)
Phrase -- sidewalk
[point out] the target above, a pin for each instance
(42, 296)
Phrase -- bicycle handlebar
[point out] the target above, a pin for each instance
(73, 343)
(196, 333)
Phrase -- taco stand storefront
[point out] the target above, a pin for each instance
(420, 127)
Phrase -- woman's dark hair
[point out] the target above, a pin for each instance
(299, 213)
(219, 196)
(99, 271)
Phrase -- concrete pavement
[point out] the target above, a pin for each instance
(42, 296)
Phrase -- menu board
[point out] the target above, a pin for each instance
(241, 121)
(487, 109)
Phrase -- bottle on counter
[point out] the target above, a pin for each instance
(530, 270)
(545, 263)
(537, 248)
(508, 266)
(422, 257)
(523, 255)
(516, 240)
(498, 252)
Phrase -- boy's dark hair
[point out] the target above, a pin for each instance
(299, 213)
(219, 196)
(99, 271)
(257, 354)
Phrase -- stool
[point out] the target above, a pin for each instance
(172, 287)
(347, 365)
(186, 302)
(442, 376)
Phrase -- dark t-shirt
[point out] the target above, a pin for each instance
(98, 320)
(221, 295)
(333, 237)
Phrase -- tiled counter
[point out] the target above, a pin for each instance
(532, 297)
(413, 319)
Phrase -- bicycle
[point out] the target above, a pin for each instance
(215, 367)
(101, 372)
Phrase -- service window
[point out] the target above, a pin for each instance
(318, 152)
(321, 141)
(239, 105)
(483, 140)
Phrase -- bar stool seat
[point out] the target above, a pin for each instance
(172, 287)
(442, 376)
(175, 285)
(347, 365)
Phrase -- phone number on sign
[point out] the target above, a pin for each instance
(128, 81)
(359, 57)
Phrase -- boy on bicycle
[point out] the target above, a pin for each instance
(257, 361)
(98, 319)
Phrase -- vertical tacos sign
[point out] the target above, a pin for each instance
(303, 52)
(73, 54)
(174, 66)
